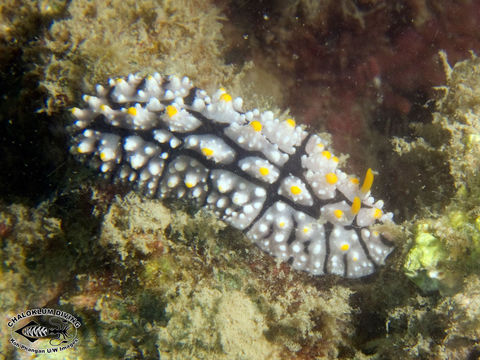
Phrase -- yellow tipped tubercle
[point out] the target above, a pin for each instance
(327, 154)
(226, 97)
(331, 178)
(207, 151)
(290, 122)
(367, 183)
(264, 171)
(131, 111)
(356, 204)
(295, 190)
(256, 125)
(171, 110)
(338, 213)
(354, 180)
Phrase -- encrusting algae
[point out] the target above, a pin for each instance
(187, 287)
(176, 37)
(212, 297)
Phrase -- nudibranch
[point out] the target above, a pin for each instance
(266, 176)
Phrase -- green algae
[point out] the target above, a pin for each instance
(424, 258)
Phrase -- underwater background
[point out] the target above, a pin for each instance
(396, 84)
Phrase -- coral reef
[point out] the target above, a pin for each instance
(168, 283)
(220, 290)
(149, 281)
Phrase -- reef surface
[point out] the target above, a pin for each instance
(159, 280)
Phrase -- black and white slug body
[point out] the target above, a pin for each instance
(265, 176)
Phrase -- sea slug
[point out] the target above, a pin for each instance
(266, 176)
